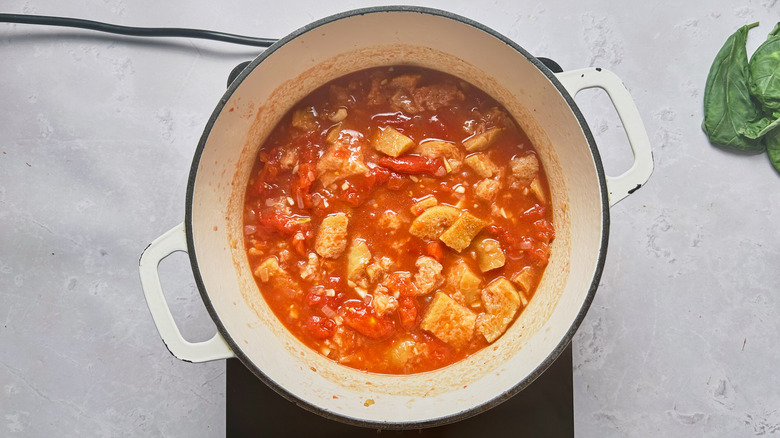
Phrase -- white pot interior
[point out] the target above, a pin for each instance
(331, 49)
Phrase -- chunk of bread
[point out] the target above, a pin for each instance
(524, 279)
(358, 258)
(538, 190)
(463, 279)
(460, 234)
(524, 168)
(424, 204)
(480, 142)
(405, 82)
(433, 221)
(428, 275)
(382, 302)
(449, 321)
(487, 189)
(377, 270)
(271, 272)
(482, 165)
(391, 142)
(332, 236)
(338, 163)
(305, 119)
(501, 302)
(269, 269)
(489, 254)
(441, 149)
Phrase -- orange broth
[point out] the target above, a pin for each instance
(362, 293)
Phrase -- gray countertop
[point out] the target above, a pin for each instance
(98, 133)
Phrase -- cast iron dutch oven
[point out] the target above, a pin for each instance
(541, 102)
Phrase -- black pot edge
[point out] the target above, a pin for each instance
(442, 420)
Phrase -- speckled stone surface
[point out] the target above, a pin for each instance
(97, 137)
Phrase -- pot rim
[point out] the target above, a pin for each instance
(475, 410)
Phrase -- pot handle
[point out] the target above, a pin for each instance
(630, 181)
(215, 348)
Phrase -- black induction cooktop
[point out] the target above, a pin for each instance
(544, 409)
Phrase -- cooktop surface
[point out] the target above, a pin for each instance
(544, 409)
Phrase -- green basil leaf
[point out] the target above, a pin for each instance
(728, 106)
(773, 148)
(764, 69)
(775, 32)
(761, 127)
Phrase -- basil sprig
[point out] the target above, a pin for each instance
(742, 98)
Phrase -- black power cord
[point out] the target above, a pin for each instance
(136, 31)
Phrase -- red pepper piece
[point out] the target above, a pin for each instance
(435, 250)
(414, 165)
(376, 177)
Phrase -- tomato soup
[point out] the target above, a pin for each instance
(397, 220)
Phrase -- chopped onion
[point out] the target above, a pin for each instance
(330, 313)
(362, 292)
(249, 230)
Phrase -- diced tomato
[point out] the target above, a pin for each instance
(435, 250)
(415, 165)
(314, 300)
(339, 285)
(361, 318)
(407, 312)
(535, 212)
(352, 196)
(284, 225)
(269, 172)
(333, 282)
(508, 240)
(437, 349)
(362, 186)
(544, 230)
(513, 244)
(401, 282)
(307, 173)
(540, 254)
(320, 327)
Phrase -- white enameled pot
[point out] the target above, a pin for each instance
(540, 101)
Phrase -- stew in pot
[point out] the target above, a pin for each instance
(397, 220)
